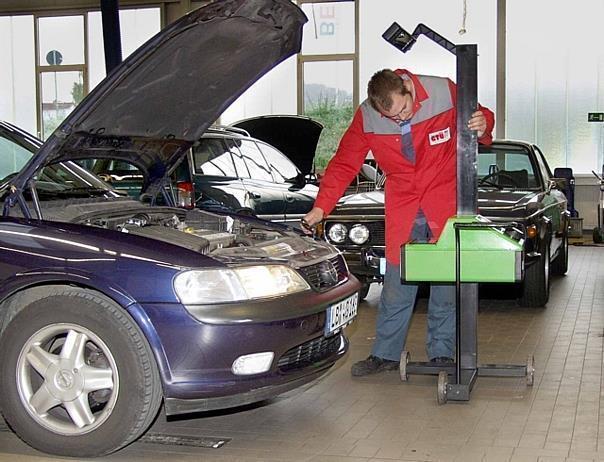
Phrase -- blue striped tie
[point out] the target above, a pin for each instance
(407, 148)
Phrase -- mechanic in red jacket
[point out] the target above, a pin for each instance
(409, 123)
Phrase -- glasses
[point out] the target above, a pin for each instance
(397, 117)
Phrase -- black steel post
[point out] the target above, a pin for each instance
(110, 12)
(467, 203)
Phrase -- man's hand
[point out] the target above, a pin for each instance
(311, 219)
(478, 123)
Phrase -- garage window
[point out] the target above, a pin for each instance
(555, 76)
(39, 90)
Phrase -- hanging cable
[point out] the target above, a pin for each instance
(314, 21)
(463, 19)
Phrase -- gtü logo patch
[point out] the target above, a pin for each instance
(440, 136)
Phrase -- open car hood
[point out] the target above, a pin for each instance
(294, 136)
(162, 98)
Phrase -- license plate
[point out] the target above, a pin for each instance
(341, 314)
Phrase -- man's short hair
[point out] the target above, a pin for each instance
(381, 86)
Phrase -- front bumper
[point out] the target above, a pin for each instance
(175, 406)
(364, 262)
(196, 354)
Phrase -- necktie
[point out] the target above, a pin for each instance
(407, 142)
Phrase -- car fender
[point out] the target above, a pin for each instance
(49, 277)
(544, 226)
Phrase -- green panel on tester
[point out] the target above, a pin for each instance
(487, 255)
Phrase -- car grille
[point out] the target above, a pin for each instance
(310, 352)
(326, 274)
(376, 233)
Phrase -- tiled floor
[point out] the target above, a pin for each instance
(379, 418)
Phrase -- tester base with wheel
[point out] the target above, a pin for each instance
(470, 250)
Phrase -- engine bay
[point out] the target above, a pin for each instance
(234, 239)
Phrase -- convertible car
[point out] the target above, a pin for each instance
(111, 307)
(514, 184)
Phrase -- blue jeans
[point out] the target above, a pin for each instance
(396, 307)
(394, 315)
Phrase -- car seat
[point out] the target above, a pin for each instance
(569, 190)
(513, 178)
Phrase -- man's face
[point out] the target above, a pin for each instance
(401, 108)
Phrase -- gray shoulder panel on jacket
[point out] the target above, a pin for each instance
(439, 98)
(374, 122)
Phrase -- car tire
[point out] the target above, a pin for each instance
(597, 235)
(535, 287)
(560, 263)
(363, 291)
(78, 377)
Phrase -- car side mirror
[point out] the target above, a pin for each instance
(299, 181)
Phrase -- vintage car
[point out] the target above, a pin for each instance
(268, 174)
(514, 184)
(111, 307)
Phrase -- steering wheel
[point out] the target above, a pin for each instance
(486, 179)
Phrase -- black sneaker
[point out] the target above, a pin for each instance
(442, 359)
(373, 365)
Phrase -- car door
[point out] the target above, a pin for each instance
(299, 196)
(263, 196)
(554, 202)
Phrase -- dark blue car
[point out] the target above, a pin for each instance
(110, 306)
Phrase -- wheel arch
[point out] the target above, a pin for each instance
(14, 296)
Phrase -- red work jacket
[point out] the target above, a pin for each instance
(428, 183)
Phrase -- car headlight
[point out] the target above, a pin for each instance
(235, 284)
(337, 233)
(359, 234)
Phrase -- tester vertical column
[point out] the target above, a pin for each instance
(467, 204)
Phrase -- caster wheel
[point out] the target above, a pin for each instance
(441, 391)
(403, 366)
(530, 371)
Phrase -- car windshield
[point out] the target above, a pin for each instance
(242, 158)
(60, 180)
(506, 168)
